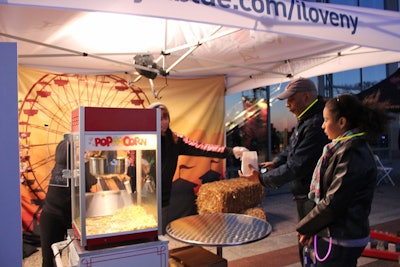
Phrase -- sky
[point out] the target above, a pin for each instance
(280, 115)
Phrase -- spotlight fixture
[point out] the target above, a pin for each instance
(146, 67)
(150, 68)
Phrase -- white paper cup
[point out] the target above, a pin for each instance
(249, 157)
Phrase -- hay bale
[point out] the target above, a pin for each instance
(256, 212)
(229, 196)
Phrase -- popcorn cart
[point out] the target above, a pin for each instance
(116, 185)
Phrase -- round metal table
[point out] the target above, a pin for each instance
(218, 229)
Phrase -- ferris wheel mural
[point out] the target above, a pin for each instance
(45, 116)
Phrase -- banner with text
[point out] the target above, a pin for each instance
(345, 24)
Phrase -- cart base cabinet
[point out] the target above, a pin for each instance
(149, 254)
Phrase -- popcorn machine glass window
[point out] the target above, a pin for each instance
(116, 195)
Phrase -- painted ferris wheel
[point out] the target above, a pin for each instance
(45, 114)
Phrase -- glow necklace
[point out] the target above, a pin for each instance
(348, 137)
(312, 104)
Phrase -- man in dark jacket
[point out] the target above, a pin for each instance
(296, 163)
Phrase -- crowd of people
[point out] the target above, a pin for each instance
(328, 163)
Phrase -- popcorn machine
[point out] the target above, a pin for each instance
(115, 176)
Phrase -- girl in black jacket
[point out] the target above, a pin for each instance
(343, 182)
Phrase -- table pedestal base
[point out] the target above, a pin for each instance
(197, 256)
(219, 251)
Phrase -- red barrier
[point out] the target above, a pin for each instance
(383, 253)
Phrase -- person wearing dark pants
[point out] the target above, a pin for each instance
(55, 227)
(295, 164)
(55, 218)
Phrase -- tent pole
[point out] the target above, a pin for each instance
(74, 52)
(268, 95)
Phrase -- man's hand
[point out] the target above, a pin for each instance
(269, 165)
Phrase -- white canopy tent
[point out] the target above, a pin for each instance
(252, 43)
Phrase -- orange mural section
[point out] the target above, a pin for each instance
(47, 98)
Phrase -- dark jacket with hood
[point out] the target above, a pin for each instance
(58, 198)
(296, 163)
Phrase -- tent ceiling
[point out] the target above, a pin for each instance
(67, 40)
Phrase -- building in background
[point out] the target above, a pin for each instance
(246, 111)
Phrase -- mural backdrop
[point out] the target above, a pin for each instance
(46, 100)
